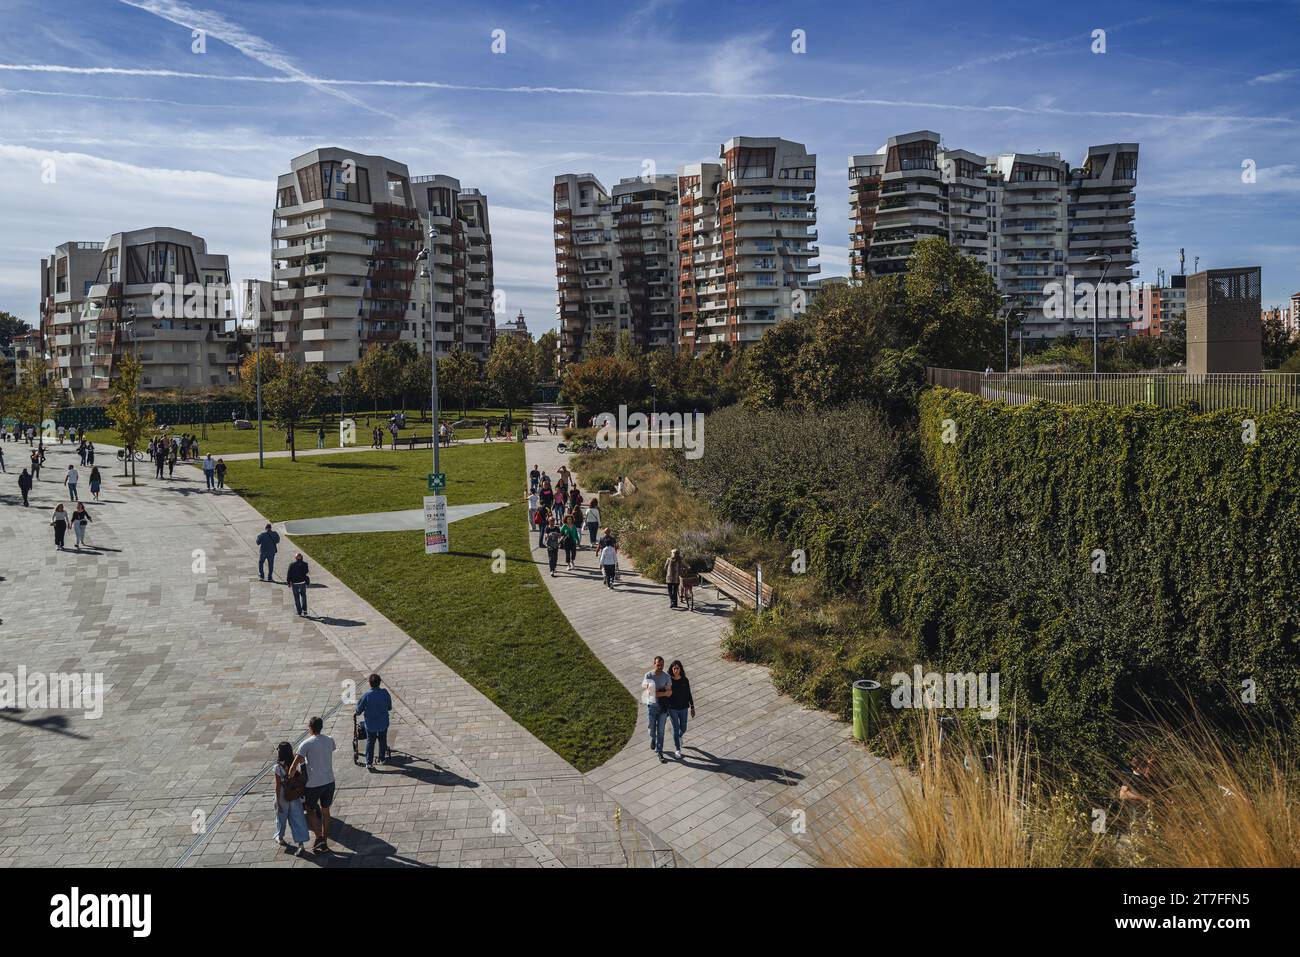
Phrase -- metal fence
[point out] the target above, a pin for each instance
(1254, 391)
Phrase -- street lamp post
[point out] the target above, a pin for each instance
(135, 351)
(1006, 333)
(257, 365)
(433, 341)
(1104, 262)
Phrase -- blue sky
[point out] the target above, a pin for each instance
(140, 130)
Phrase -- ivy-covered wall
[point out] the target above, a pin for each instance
(1144, 553)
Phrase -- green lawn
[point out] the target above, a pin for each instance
(225, 439)
(501, 632)
(317, 486)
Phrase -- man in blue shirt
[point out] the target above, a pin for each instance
(374, 707)
(266, 545)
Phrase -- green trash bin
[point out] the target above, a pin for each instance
(866, 708)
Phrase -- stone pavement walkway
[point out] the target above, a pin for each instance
(752, 759)
(206, 668)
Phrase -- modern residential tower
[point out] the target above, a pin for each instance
(103, 301)
(1029, 218)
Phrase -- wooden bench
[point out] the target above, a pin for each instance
(739, 585)
(425, 440)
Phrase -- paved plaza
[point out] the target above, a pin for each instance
(206, 668)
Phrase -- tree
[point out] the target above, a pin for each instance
(130, 421)
(510, 371)
(668, 372)
(36, 393)
(627, 347)
(601, 384)
(351, 388)
(294, 395)
(545, 350)
(248, 372)
(953, 307)
(1277, 342)
(417, 380)
(379, 371)
(405, 357)
(10, 326)
(460, 377)
(770, 379)
(601, 343)
(1173, 342)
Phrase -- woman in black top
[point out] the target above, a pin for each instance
(679, 704)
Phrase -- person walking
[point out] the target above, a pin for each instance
(210, 472)
(95, 481)
(298, 581)
(569, 540)
(2, 461)
(487, 431)
(70, 478)
(656, 689)
(593, 520)
(317, 752)
(673, 569)
(80, 519)
(534, 477)
(374, 707)
(221, 473)
(25, 485)
(160, 456)
(543, 517)
(59, 521)
(36, 464)
(289, 791)
(266, 546)
(81, 451)
(609, 561)
(680, 703)
(533, 502)
(320, 437)
(171, 462)
(90, 453)
(553, 539)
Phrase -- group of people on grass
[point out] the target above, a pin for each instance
(305, 782)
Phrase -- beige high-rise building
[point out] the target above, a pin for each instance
(746, 240)
(156, 293)
(348, 260)
(615, 263)
(1029, 218)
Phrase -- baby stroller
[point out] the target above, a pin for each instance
(359, 737)
(688, 591)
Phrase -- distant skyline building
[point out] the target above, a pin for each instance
(102, 302)
(615, 260)
(348, 239)
(1030, 219)
(747, 230)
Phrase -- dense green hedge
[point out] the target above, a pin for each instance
(834, 483)
(1201, 533)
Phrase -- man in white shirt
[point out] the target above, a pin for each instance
(317, 752)
(70, 480)
(656, 689)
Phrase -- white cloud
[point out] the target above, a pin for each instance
(1278, 77)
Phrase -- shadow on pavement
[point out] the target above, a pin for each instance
(745, 770)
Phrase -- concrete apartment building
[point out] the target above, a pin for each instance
(1029, 218)
(746, 240)
(461, 274)
(348, 237)
(98, 304)
(615, 262)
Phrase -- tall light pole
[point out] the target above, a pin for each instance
(1006, 333)
(1104, 262)
(139, 371)
(433, 338)
(257, 365)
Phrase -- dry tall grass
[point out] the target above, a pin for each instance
(982, 800)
